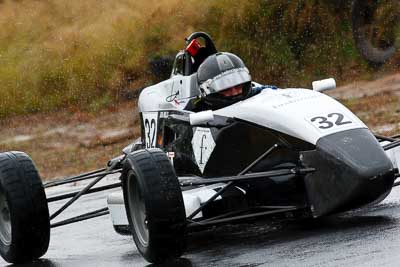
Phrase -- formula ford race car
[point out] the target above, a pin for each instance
(283, 152)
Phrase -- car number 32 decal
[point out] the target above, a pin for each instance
(330, 120)
(150, 128)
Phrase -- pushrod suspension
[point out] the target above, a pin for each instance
(242, 217)
(238, 212)
(202, 181)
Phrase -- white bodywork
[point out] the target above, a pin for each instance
(171, 94)
(201, 117)
(192, 200)
(302, 113)
(393, 154)
(291, 111)
(115, 203)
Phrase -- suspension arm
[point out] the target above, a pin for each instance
(90, 191)
(81, 177)
(83, 217)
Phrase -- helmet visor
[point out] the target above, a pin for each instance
(227, 80)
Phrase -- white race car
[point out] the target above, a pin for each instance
(281, 151)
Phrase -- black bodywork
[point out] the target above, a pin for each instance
(352, 170)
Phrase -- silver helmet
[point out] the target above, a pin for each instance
(220, 72)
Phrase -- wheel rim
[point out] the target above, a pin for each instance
(5, 219)
(137, 210)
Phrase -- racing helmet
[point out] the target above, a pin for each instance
(219, 73)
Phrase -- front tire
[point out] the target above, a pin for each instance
(154, 205)
(24, 214)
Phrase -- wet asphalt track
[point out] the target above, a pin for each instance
(367, 237)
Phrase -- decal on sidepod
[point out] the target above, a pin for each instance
(150, 128)
(287, 97)
(203, 145)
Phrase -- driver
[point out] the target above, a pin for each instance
(224, 80)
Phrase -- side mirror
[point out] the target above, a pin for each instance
(201, 117)
(324, 85)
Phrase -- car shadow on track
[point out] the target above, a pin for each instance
(37, 263)
(222, 240)
(182, 262)
(267, 234)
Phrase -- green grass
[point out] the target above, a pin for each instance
(54, 54)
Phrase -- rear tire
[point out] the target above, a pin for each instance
(24, 214)
(154, 205)
(362, 19)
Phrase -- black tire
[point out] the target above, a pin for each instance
(154, 205)
(24, 214)
(362, 18)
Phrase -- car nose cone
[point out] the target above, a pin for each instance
(352, 170)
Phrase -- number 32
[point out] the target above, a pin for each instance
(150, 132)
(326, 123)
